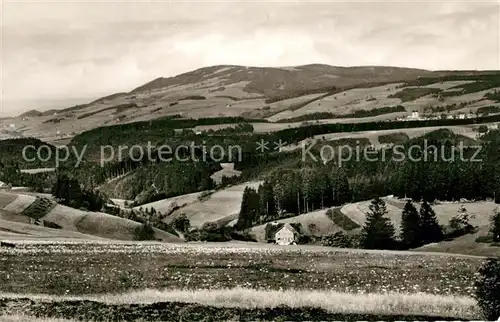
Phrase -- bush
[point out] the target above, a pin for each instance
(488, 289)
(484, 239)
(339, 239)
(51, 224)
(244, 235)
(181, 223)
(210, 232)
(144, 232)
(459, 224)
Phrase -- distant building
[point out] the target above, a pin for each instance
(450, 117)
(413, 116)
(286, 235)
(470, 116)
(461, 116)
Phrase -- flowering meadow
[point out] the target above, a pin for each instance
(79, 268)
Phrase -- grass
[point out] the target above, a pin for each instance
(20, 203)
(98, 268)
(6, 198)
(393, 138)
(222, 205)
(341, 220)
(335, 302)
(155, 281)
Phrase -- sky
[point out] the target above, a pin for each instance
(56, 53)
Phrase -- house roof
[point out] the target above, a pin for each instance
(287, 226)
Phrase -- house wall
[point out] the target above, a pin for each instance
(284, 237)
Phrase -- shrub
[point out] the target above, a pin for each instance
(51, 224)
(244, 235)
(338, 239)
(484, 239)
(144, 232)
(181, 223)
(459, 224)
(488, 289)
(212, 233)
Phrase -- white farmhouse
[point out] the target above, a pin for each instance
(286, 235)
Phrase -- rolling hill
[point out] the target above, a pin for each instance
(274, 94)
(35, 217)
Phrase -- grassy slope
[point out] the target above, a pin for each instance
(165, 205)
(13, 230)
(229, 90)
(465, 245)
(223, 205)
(75, 223)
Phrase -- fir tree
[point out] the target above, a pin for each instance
(378, 231)
(410, 226)
(249, 211)
(431, 231)
(341, 192)
(267, 206)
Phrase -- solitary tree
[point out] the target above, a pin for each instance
(378, 231)
(431, 231)
(410, 226)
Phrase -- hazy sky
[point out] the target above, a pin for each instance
(58, 50)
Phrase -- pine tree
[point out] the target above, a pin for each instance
(378, 231)
(410, 226)
(267, 206)
(431, 231)
(341, 191)
(249, 210)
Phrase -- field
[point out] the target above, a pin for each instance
(19, 210)
(140, 280)
(223, 205)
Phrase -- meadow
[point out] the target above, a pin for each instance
(247, 280)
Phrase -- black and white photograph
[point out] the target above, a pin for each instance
(240, 160)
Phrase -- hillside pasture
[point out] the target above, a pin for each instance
(14, 230)
(99, 224)
(222, 205)
(20, 203)
(444, 211)
(6, 199)
(166, 205)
